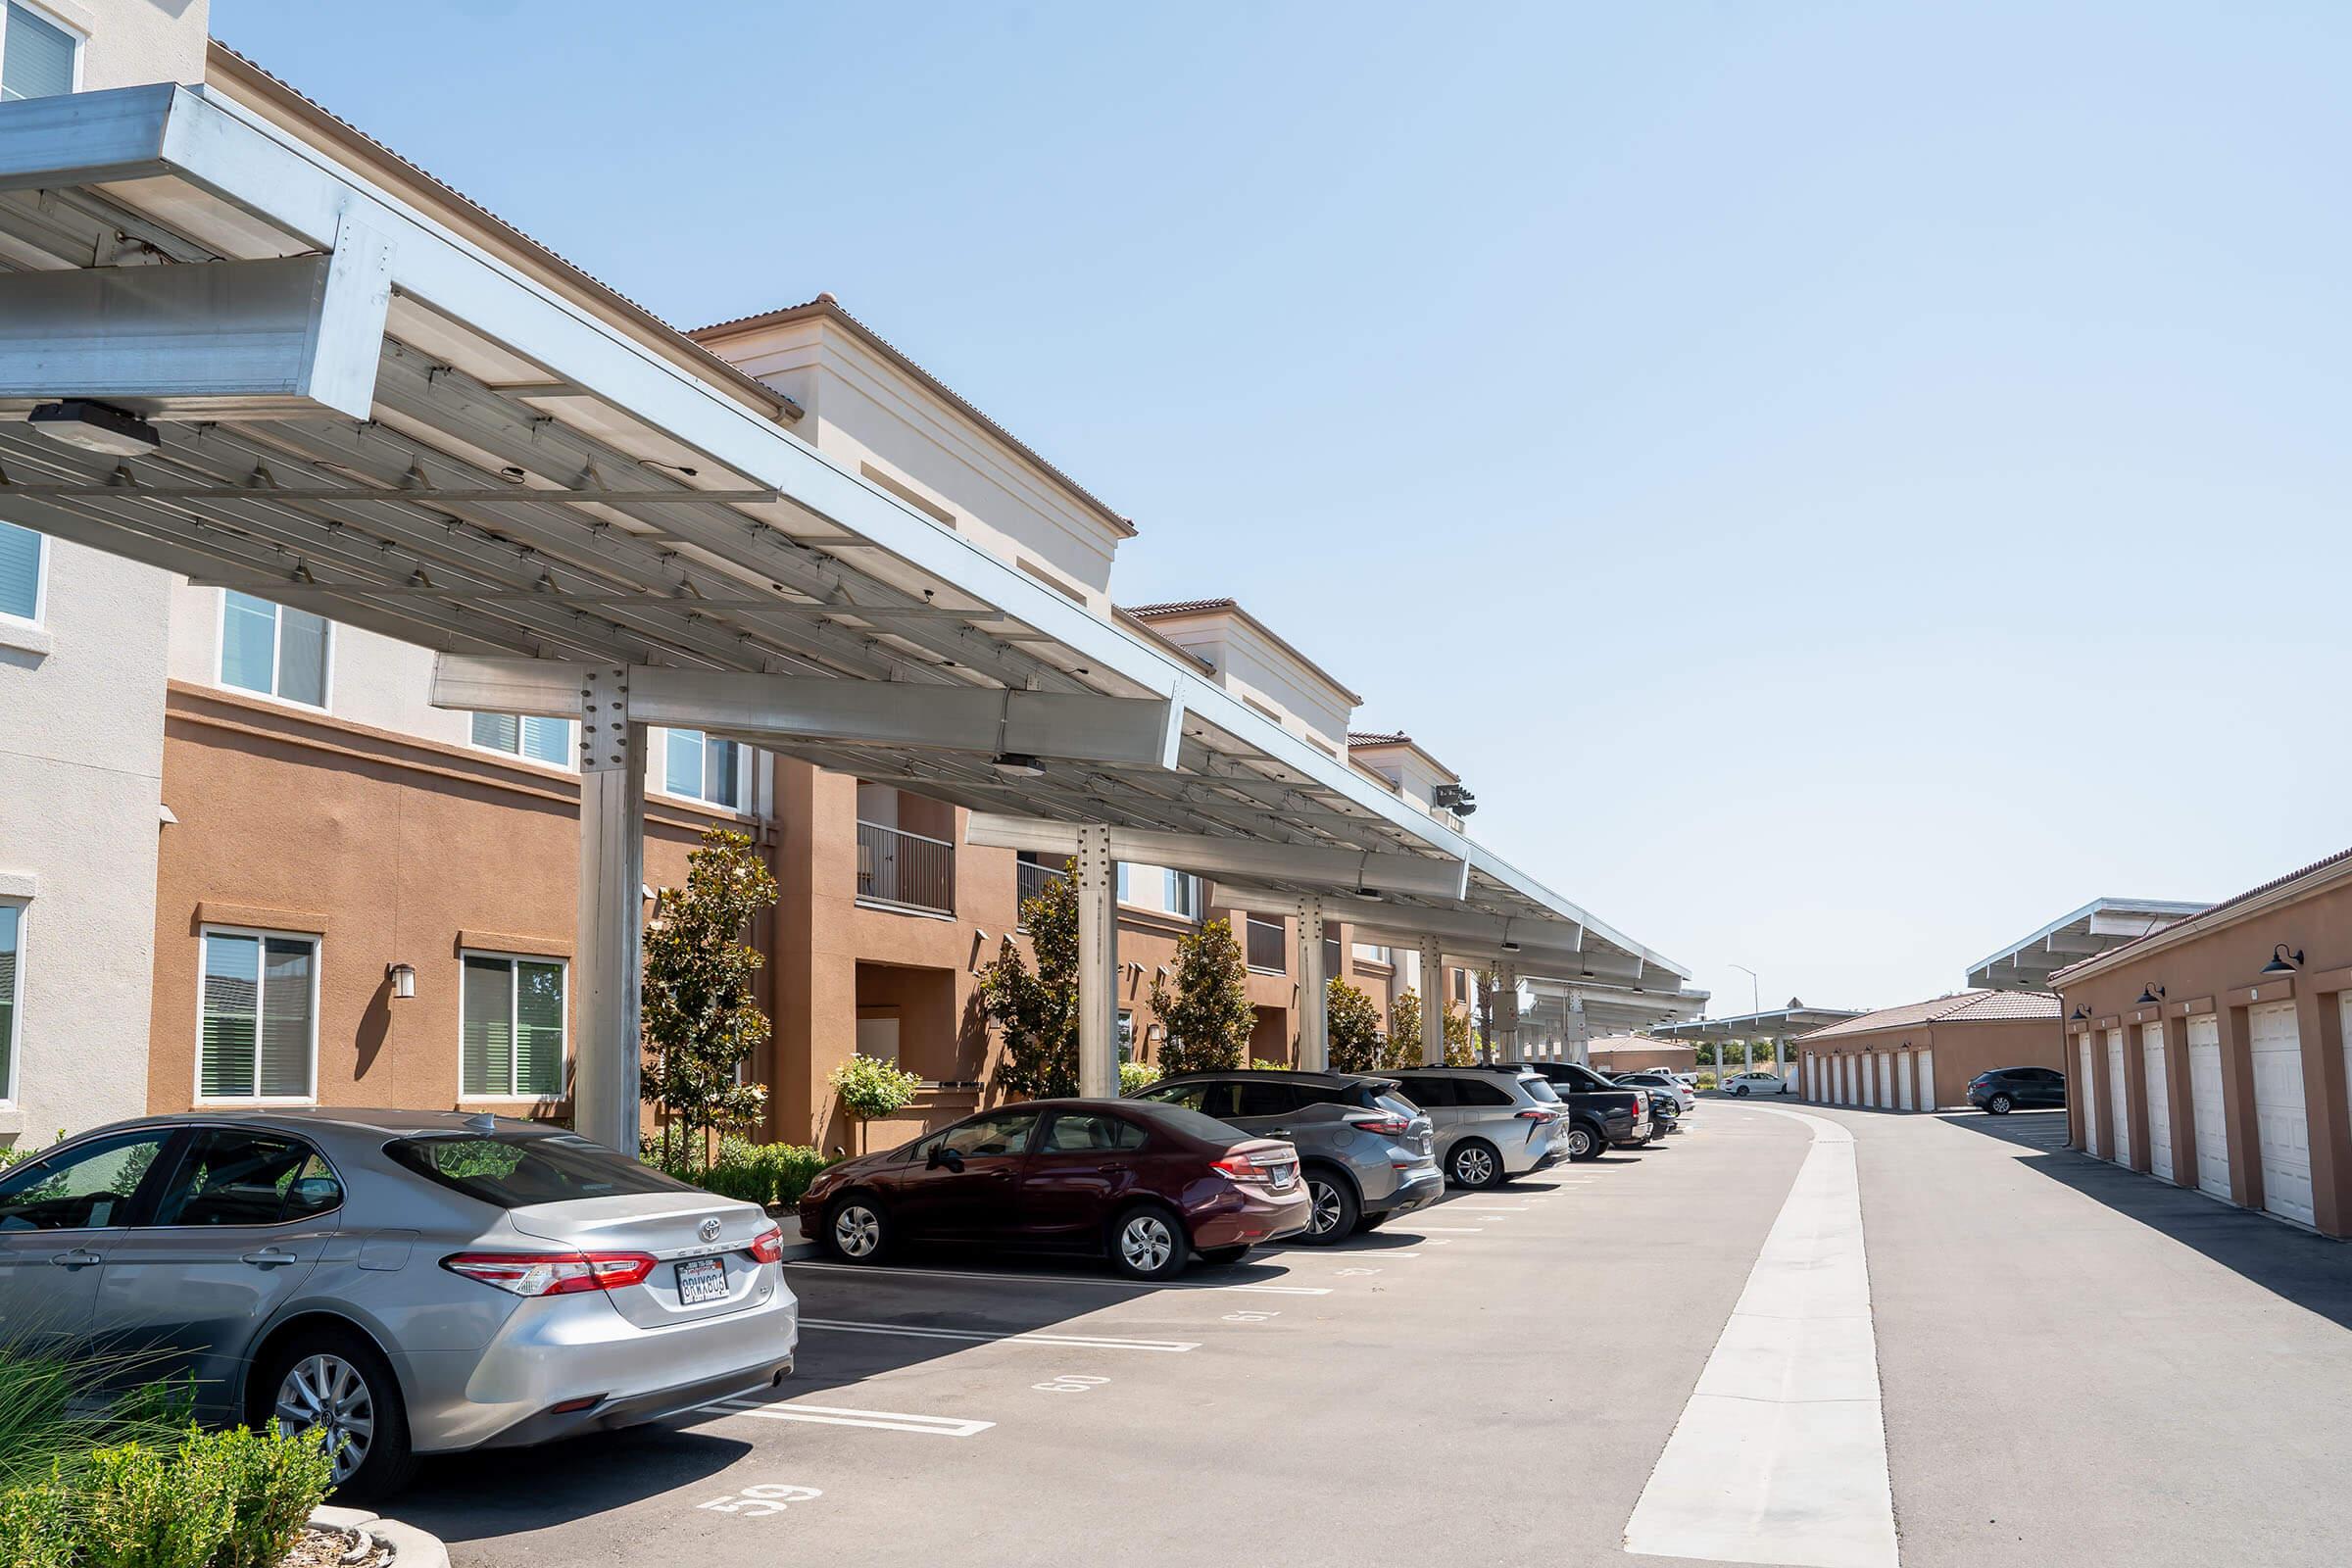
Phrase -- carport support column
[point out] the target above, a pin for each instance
(1098, 960)
(1506, 1012)
(1433, 1002)
(608, 964)
(1579, 1033)
(1314, 1013)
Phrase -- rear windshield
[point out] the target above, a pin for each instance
(1397, 1105)
(517, 1170)
(1540, 1089)
(1191, 1123)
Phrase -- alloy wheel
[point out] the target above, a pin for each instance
(1474, 1167)
(1326, 1200)
(1579, 1142)
(856, 1231)
(326, 1394)
(1146, 1242)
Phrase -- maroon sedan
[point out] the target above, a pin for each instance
(1145, 1183)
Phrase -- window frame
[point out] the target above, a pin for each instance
(1180, 893)
(277, 652)
(80, 39)
(12, 1054)
(513, 961)
(317, 942)
(570, 763)
(1281, 933)
(41, 552)
(658, 764)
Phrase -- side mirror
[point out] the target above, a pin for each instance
(941, 1154)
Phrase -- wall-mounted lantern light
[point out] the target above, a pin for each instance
(2283, 961)
(2149, 996)
(402, 977)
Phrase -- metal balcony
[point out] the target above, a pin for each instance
(901, 870)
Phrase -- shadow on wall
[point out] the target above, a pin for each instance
(2311, 1271)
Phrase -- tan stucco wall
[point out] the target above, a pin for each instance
(1961, 1050)
(134, 41)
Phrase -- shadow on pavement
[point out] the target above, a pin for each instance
(506, 1492)
(2311, 1271)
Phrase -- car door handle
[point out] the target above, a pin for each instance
(268, 1257)
(1281, 1132)
(79, 1257)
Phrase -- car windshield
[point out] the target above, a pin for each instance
(517, 1170)
(1540, 1089)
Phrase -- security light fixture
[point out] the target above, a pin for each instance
(2149, 996)
(1508, 946)
(2283, 961)
(1017, 764)
(403, 980)
(2079, 1016)
(1368, 895)
(96, 428)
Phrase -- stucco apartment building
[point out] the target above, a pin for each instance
(243, 858)
(1922, 1055)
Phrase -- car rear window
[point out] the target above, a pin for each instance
(517, 1170)
(1397, 1105)
(1540, 1089)
(1191, 1123)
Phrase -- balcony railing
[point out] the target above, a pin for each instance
(903, 870)
(1030, 881)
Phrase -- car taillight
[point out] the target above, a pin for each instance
(1243, 1166)
(553, 1273)
(1380, 1122)
(768, 1245)
(1538, 1115)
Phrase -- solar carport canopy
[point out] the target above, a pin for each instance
(364, 412)
(2097, 927)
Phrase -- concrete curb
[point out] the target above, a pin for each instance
(411, 1546)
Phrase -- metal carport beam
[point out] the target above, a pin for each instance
(1063, 725)
(1423, 877)
(1462, 934)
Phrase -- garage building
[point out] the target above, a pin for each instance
(1921, 1055)
(2211, 1054)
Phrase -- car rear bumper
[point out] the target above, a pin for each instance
(1241, 1217)
(1417, 1187)
(557, 1350)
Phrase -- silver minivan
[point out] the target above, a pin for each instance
(1490, 1125)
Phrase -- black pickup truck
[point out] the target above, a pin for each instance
(1600, 1114)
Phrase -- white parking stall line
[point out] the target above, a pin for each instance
(916, 1331)
(1779, 1456)
(1450, 1230)
(827, 1415)
(1059, 1279)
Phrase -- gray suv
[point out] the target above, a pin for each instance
(1492, 1124)
(1365, 1155)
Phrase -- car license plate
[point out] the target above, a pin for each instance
(702, 1279)
(1280, 1177)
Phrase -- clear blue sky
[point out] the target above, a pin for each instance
(1845, 483)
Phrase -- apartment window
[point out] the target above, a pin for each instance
(21, 560)
(702, 768)
(273, 650)
(510, 1043)
(1262, 944)
(1119, 869)
(1126, 1035)
(37, 57)
(1183, 894)
(12, 947)
(542, 740)
(258, 1036)
(1372, 953)
(1331, 956)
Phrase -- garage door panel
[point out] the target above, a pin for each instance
(2119, 1105)
(2282, 1121)
(2160, 1102)
(2094, 1129)
(1927, 1080)
(2204, 1037)
(1902, 1082)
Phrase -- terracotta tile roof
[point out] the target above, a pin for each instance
(2206, 919)
(831, 309)
(1180, 606)
(1962, 1007)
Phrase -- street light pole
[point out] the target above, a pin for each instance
(1755, 1008)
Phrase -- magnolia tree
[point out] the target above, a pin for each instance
(1208, 1017)
(701, 1024)
(1402, 1048)
(1037, 1013)
(1352, 1026)
(1459, 1051)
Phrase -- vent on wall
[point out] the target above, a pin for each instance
(922, 504)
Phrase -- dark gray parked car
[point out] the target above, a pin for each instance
(1364, 1152)
(411, 1282)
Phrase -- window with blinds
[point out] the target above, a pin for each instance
(273, 649)
(511, 1027)
(703, 767)
(12, 926)
(20, 573)
(37, 56)
(542, 740)
(259, 1030)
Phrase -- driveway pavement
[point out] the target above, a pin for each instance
(2077, 1367)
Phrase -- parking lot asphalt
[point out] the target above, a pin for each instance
(2073, 1371)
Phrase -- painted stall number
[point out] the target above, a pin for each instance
(761, 1501)
(1069, 1383)
(1250, 1317)
(1346, 1271)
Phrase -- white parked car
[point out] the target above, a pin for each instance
(1665, 1083)
(1745, 1084)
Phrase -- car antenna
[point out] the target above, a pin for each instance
(481, 1121)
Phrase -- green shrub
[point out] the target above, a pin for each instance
(871, 1087)
(144, 1511)
(273, 1482)
(1135, 1075)
(54, 1410)
(1261, 1065)
(39, 1526)
(211, 1500)
(768, 1174)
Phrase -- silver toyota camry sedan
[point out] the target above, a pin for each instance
(411, 1282)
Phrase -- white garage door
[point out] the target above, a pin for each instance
(2093, 1136)
(1927, 1080)
(1885, 1080)
(2280, 1120)
(1845, 1080)
(2160, 1102)
(2119, 1105)
(2204, 1037)
(1902, 1081)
